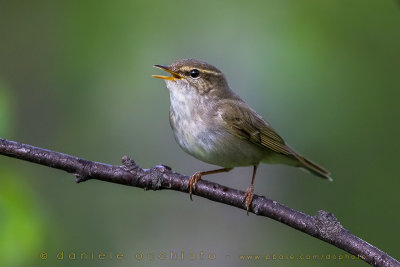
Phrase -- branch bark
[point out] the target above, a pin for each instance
(323, 225)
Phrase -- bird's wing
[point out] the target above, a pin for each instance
(245, 123)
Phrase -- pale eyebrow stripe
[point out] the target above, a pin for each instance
(211, 72)
(202, 70)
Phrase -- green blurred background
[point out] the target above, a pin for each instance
(75, 76)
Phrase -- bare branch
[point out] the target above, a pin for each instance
(323, 226)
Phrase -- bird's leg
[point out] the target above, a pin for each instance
(197, 176)
(248, 196)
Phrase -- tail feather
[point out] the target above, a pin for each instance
(314, 168)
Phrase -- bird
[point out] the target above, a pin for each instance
(215, 125)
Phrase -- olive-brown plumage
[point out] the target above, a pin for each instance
(213, 124)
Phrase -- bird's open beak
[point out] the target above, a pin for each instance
(172, 78)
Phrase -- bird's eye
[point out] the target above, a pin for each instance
(194, 73)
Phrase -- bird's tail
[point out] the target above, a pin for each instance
(314, 168)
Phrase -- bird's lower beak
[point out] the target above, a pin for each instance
(170, 78)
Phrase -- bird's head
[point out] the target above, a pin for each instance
(193, 75)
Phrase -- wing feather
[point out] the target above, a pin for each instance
(245, 123)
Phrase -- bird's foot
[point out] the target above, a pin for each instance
(193, 182)
(248, 197)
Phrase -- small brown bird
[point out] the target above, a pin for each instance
(213, 124)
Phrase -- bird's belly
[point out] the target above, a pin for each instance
(217, 147)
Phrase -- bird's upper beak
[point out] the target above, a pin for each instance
(172, 78)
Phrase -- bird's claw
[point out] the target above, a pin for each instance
(248, 197)
(193, 182)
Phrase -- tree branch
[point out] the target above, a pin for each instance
(323, 226)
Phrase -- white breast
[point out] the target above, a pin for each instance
(205, 140)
